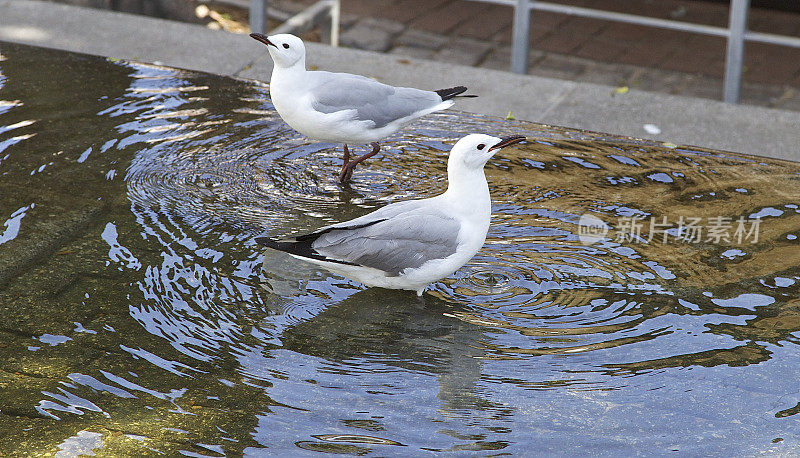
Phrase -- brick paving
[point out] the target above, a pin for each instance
(584, 49)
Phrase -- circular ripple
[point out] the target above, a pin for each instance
(536, 282)
(488, 279)
(206, 180)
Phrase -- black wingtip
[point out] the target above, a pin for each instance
(452, 92)
(267, 242)
(292, 247)
(300, 247)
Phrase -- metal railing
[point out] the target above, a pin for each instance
(736, 33)
(324, 12)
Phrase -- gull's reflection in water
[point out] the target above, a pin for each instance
(381, 327)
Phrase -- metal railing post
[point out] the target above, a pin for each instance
(521, 37)
(336, 9)
(736, 33)
(327, 13)
(258, 16)
(734, 58)
(330, 30)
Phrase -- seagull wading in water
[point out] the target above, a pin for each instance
(407, 245)
(340, 107)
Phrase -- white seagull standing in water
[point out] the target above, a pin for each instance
(340, 107)
(407, 245)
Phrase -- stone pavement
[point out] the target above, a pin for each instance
(681, 120)
(586, 50)
(475, 33)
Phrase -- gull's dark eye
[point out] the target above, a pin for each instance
(481, 146)
(286, 46)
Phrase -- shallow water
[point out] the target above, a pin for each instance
(138, 316)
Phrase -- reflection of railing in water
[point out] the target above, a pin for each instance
(319, 12)
(736, 33)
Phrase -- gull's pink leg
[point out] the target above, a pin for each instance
(343, 176)
(348, 166)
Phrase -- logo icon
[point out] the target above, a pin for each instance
(591, 229)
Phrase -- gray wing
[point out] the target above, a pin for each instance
(371, 100)
(392, 243)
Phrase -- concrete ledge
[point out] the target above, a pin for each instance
(682, 120)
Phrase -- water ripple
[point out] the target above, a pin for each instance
(163, 315)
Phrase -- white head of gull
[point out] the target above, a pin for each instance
(408, 245)
(341, 107)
